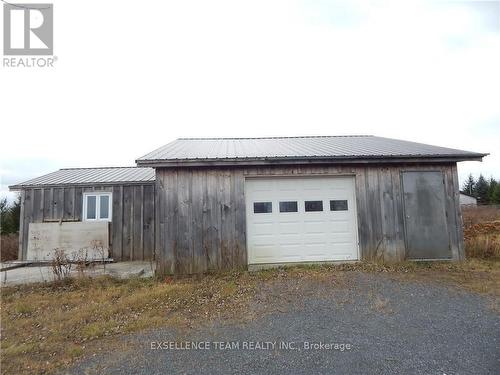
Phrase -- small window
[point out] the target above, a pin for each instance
(97, 206)
(290, 206)
(312, 206)
(338, 205)
(262, 207)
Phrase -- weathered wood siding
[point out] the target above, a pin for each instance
(201, 212)
(132, 229)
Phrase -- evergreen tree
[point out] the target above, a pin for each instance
(491, 189)
(481, 190)
(9, 216)
(469, 186)
(5, 222)
(495, 197)
(15, 214)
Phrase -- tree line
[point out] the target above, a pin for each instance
(485, 191)
(9, 216)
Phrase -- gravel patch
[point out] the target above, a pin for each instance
(391, 326)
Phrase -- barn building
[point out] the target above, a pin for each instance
(467, 200)
(198, 205)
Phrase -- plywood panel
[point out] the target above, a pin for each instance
(79, 240)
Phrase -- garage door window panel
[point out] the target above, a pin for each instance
(313, 206)
(289, 206)
(338, 205)
(262, 207)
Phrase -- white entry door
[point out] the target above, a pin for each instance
(301, 219)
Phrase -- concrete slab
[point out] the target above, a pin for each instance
(37, 274)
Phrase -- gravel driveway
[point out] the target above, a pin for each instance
(383, 326)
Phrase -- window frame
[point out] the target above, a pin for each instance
(98, 195)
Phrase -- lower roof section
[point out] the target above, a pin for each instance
(90, 176)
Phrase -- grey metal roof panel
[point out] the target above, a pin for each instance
(327, 147)
(89, 176)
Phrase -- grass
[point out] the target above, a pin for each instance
(480, 214)
(482, 232)
(48, 326)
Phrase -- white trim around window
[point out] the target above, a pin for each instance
(97, 206)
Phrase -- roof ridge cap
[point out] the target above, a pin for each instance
(76, 168)
(277, 137)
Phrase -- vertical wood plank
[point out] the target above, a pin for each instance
(240, 219)
(58, 202)
(184, 255)
(69, 203)
(22, 224)
(117, 223)
(149, 221)
(47, 204)
(451, 212)
(78, 203)
(224, 199)
(157, 240)
(374, 212)
(138, 224)
(361, 207)
(211, 221)
(387, 215)
(28, 218)
(52, 211)
(127, 226)
(37, 206)
(197, 214)
(458, 214)
(163, 264)
(400, 245)
(170, 219)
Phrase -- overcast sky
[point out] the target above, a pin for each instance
(132, 76)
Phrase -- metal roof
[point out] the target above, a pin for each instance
(241, 150)
(89, 176)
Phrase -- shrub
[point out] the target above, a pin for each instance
(9, 245)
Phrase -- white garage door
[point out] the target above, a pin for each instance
(301, 219)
